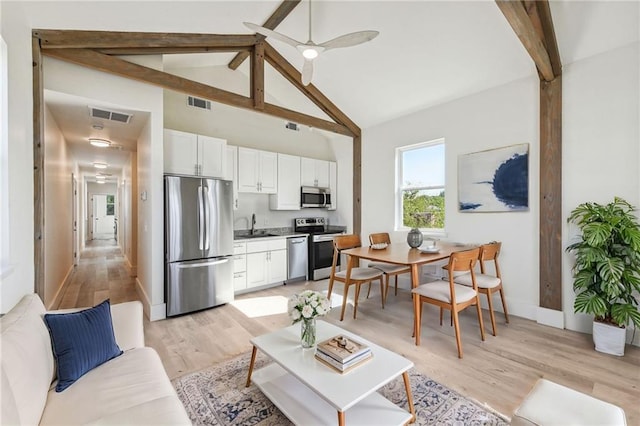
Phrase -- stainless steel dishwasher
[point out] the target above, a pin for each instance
(297, 258)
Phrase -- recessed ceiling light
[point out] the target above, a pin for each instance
(100, 182)
(102, 143)
(98, 165)
(100, 177)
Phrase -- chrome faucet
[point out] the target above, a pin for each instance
(253, 223)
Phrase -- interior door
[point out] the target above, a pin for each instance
(103, 215)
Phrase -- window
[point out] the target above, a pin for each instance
(111, 205)
(420, 195)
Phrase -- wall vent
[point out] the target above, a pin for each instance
(199, 103)
(292, 126)
(120, 117)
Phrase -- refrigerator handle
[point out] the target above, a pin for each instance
(200, 264)
(200, 219)
(207, 212)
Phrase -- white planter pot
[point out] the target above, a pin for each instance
(609, 339)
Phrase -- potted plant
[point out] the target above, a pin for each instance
(607, 270)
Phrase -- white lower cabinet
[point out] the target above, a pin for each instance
(266, 262)
(239, 267)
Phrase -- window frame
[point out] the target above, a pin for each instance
(400, 189)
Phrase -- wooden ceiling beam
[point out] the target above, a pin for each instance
(289, 72)
(540, 12)
(524, 28)
(271, 23)
(76, 39)
(169, 50)
(257, 76)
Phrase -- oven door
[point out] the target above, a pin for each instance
(321, 256)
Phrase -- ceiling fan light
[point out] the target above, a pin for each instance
(99, 165)
(102, 143)
(310, 53)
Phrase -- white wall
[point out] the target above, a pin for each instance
(495, 118)
(16, 32)
(151, 218)
(601, 144)
(128, 221)
(58, 201)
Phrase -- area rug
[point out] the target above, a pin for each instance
(217, 396)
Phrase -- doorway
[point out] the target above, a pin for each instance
(104, 207)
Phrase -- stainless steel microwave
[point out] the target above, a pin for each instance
(312, 196)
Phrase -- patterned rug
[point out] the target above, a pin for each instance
(217, 396)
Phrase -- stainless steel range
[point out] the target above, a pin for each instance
(320, 244)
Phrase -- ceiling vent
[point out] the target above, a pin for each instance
(199, 103)
(292, 126)
(120, 117)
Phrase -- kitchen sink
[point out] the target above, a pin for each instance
(256, 235)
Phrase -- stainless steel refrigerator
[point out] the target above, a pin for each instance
(198, 243)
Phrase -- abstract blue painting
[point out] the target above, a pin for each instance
(496, 180)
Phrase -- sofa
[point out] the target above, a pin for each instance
(132, 388)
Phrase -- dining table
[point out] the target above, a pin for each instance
(402, 254)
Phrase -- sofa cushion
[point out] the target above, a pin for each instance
(81, 341)
(27, 362)
(130, 389)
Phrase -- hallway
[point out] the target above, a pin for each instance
(101, 274)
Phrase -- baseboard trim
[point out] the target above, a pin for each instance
(55, 303)
(550, 317)
(152, 312)
(132, 270)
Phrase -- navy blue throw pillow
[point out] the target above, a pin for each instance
(81, 341)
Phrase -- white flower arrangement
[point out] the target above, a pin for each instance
(308, 304)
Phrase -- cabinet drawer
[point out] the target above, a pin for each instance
(239, 263)
(239, 281)
(266, 245)
(239, 248)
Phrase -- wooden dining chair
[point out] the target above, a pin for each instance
(488, 284)
(357, 275)
(450, 295)
(388, 269)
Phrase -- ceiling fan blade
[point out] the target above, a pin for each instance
(269, 33)
(350, 39)
(307, 71)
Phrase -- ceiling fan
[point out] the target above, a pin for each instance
(311, 50)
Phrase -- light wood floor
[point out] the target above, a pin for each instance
(499, 371)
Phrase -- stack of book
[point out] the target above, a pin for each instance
(342, 353)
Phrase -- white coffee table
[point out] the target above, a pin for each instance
(309, 392)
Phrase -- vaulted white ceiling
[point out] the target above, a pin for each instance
(427, 53)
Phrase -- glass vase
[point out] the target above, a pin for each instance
(308, 332)
(414, 238)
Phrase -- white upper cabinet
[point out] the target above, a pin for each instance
(194, 155)
(314, 172)
(287, 196)
(257, 171)
(180, 152)
(232, 172)
(212, 156)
